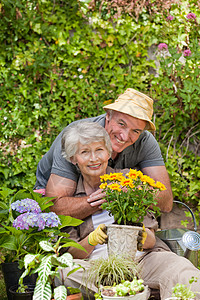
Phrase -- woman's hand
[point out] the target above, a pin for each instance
(98, 236)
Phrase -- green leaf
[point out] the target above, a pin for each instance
(60, 293)
(46, 246)
(69, 221)
(42, 291)
(66, 259)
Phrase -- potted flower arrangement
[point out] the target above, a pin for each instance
(26, 220)
(116, 276)
(128, 198)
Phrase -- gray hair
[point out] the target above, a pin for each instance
(83, 132)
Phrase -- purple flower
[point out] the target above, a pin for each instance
(26, 205)
(191, 16)
(187, 52)
(170, 18)
(162, 46)
(40, 220)
(51, 219)
(26, 220)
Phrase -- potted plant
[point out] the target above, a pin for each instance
(183, 292)
(128, 198)
(47, 265)
(25, 221)
(116, 276)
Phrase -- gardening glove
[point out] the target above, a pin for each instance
(142, 235)
(98, 236)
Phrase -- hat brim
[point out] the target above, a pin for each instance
(132, 110)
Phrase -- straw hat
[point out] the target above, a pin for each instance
(135, 104)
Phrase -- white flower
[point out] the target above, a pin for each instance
(80, 76)
(79, 69)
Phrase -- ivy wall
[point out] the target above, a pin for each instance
(63, 60)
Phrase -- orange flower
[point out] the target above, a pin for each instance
(160, 186)
(132, 174)
(114, 186)
(127, 182)
(103, 185)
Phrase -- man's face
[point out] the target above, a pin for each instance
(123, 129)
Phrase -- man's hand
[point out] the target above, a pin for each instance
(98, 236)
(97, 198)
(142, 235)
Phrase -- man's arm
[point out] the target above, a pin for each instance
(165, 198)
(63, 190)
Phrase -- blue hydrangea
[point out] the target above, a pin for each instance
(26, 205)
(40, 220)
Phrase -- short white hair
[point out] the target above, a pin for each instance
(83, 132)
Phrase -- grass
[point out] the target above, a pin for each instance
(3, 295)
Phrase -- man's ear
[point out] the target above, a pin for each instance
(107, 116)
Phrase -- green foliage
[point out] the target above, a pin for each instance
(63, 60)
(15, 243)
(47, 266)
(184, 172)
(183, 292)
(111, 270)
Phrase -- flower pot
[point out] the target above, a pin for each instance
(140, 296)
(177, 298)
(122, 239)
(77, 296)
(12, 273)
(28, 295)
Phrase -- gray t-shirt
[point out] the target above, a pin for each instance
(145, 152)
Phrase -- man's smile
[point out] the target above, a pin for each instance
(119, 141)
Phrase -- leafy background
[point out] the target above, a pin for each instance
(63, 60)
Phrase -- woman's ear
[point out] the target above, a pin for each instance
(73, 160)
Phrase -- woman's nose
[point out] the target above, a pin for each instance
(93, 156)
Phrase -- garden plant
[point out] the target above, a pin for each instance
(129, 196)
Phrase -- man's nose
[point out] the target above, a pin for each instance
(125, 135)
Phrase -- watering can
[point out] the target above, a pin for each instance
(182, 241)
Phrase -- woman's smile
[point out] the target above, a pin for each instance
(92, 158)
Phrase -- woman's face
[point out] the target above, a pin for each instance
(92, 158)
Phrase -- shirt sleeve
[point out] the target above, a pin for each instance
(148, 151)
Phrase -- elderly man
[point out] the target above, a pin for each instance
(127, 121)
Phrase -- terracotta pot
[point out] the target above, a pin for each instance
(77, 296)
(122, 239)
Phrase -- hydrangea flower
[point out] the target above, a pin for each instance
(170, 18)
(51, 219)
(41, 220)
(26, 205)
(187, 52)
(162, 46)
(191, 16)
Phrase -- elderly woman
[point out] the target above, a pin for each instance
(88, 147)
